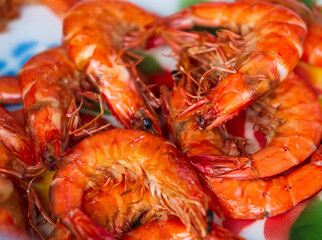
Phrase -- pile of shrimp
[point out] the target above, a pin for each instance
(175, 169)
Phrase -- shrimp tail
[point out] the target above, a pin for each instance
(84, 226)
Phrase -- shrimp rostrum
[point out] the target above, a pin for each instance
(273, 39)
(138, 160)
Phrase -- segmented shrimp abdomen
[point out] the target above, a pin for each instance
(297, 130)
(134, 157)
(253, 199)
(174, 229)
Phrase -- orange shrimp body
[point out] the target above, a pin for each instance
(13, 218)
(118, 208)
(187, 136)
(46, 82)
(93, 32)
(175, 230)
(273, 36)
(135, 158)
(297, 130)
(10, 92)
(293, 141)
(313, 42)
(251, 199)
(15, 139)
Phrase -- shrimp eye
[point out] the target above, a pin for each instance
(210, 216)
(200, 120)
(176, 75)
(147, 123)
(51, 159)
(51, 168)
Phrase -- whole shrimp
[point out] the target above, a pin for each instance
(252, 199)
(175, 230)
(273, 39)
(290, 116)
(135, 158)
(47, 82)
(93, 33)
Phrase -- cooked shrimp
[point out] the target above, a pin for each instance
(13, 217)
(273, 38)
(135, 158)
(313, 42)
(47, 82)
(291, 117)
(15, 139)
(93, 32)
(252, 199)
(294, 123)
(187, 135)
(10, 92)
(175, 230)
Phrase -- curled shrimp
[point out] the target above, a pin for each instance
(47, 82)
(292, 117)
(135, 158)
(93, 32)
(272, 39)
(175, 230)
(252, 199)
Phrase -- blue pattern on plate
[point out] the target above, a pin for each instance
(22, 48)
(2, 64)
